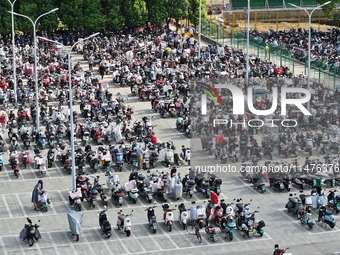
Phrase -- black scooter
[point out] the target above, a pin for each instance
(152, 218)
(30, 232)
(104, 223)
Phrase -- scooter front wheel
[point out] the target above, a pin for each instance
(77, 238)
(154, 231)
(30, 242)
(170, 228)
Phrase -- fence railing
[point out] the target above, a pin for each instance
(320, 72)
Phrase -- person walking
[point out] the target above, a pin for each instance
(102, 71)
(91, 62)
(38, 188)
(139, 153)
(266, 51)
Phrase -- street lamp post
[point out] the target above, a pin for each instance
(70, 99)
(247, 60)
(199, 29)
(34, 23)
(309, 39)
(13, 44)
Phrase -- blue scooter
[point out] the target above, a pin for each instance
(306, 218)
(1, 162)
(227, 227)
(326, 217)
(119, 159)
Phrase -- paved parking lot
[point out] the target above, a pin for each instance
(281, 227)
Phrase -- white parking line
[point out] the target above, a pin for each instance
(151, 237)
(168, 236)
(250, 188)
(53, 243)
(7, 207)
(99, 233)
(183, 134)
(67, 237)
(21, 205)
(88, 244)
(181, 233)
(2, 243)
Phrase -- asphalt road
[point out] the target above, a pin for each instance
(281, 228)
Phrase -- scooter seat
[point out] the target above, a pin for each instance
(328, 213)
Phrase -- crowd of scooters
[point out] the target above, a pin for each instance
(152, 65)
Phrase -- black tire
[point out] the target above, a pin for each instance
(190, 229)
(199, 237)
(135, 201)
(190, 195)
(189, 162)
(30, 242)
(154, 231)
(337, 211)
(261, 234)
(224, 160)
(231, 236)
(184, 226)
(77, 238)
(79, 208)
(200, 225)
(120, 168)
(301, 220)
(170, 228)
(128, 232)
(310, 226)
(310, 153)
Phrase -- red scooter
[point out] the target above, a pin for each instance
(83, 184)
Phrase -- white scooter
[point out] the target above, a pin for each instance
(124, 222)
(183, 215)
(186, 154)
(168, 216)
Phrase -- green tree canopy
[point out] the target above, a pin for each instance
(71, 13)
(176, 9)
(33, 9)
(135, 13)
(156, 11)
(112, 11)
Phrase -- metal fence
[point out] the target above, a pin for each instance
(320, 72)
(213, 31)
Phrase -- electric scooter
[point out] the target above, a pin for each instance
(152, 218)
(168, 216)
(124, 222)
(104, 223)
(183, 215)
(30, 232)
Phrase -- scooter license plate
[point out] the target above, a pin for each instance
(218, 191)
(150, 197)
(120, 199)
(215, 237)
(338, 206)
(191, 192)
(281, 185)
(27, 143)
(231, 231)
(154, 225)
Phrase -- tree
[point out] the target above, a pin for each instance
(176, 9)
(114, 20)
(135, 13)
(194, 8)
(71, 13)
(33, 9)
(156, 11)
(93, 20)
(330, 9)
(5, 18)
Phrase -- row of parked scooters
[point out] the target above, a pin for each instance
(225, 216)
(303, 205)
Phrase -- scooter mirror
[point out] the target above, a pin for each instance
(38, 220)
(104, 206)
(301, 191)
(155, 202)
